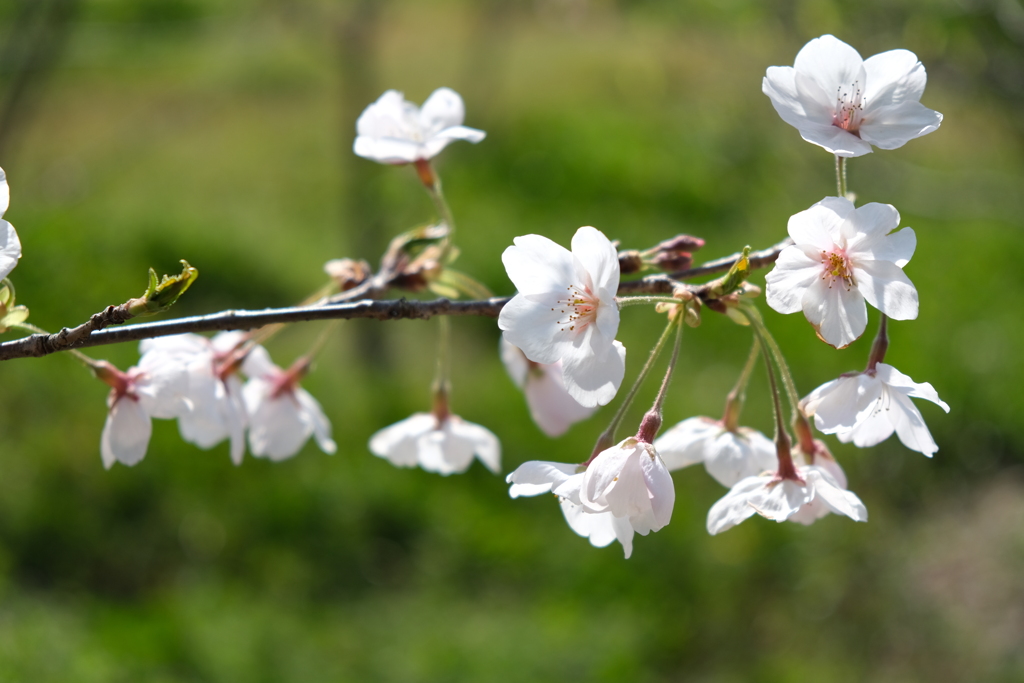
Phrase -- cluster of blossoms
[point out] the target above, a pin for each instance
(559, 333)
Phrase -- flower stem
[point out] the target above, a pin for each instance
(651, 422)
(624, 301)
(442, 384)
(432, 182)
(734, 401)
(879, 346)
(841, 175)
(607, 437)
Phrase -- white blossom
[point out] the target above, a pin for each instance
(443, 445)
(728, 456)
(846, 104)
(843, 256)
(282, 415)
(867, 407)
(395, 131)
(550, 404)
(630, 480)
(214, 392)
(10, 245)
(565, 310)
(601, 528)
(780, 499)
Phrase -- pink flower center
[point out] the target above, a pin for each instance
(849, 108)
(580, 306)
(835, 265)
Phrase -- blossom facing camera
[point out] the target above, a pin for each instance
(562, 479)
(565, 310)
(812, 493)
(550, 404)
(445, 445)
(728, 456)
(843, 256)
(282, 415)
(10, 245)
(395, 131)
(846, 104)
(867, 407)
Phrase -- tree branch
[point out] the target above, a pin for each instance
(338, 307)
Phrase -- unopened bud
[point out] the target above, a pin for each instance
(673, 261)
(348, 273)
(680, 243)
(630, 261)
(160, 296)
(649, 426)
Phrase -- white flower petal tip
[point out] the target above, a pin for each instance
(728, 456)
(10, 245)
(813, 495)
(395, 131)
(565, 311)
(551, 406)
(841, 258)
(867, 407)
(846, 104)
(443, 446)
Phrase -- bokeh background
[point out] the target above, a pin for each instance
(138, 132)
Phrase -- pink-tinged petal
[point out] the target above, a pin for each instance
(831, 64)
(535, 477)
(126, 433)
(887, 288)
(596, 258)
(819, 225)
(603, 472)
(398, 442)
(593, 380)
(277, 431)
(685, 443)
(867, 226)
(834, 405)
(838, 313)
(257, 363)
(443, 109)
(902, 383)
(796, 269)
(537, 265)
(910, 426)
(893, 77)
(838, 500)
(893, 127)
(835, 140)
(780, 499)
(660, 489)
(10, 248)
(550, 404)
(482, 441)
(732, 508)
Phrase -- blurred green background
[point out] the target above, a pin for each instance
(138, 132)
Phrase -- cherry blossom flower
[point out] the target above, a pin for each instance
(282, 415)
(867, 407)
(445, 445)
(728, 456)
(137, 396)
(843, 256)
(601, 528)
(846, 104)
(214, 391)
(630, 480)
(551, 406)
(566, 311)
(394, 131)
(10, 245)
(817, 507)
(780, 499)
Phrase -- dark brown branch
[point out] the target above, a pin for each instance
(338, 307)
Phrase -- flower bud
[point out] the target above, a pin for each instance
(630, 261)
(673, 261)
(680, 243)
(348, 273)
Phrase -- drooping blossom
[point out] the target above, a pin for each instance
(779, 499)
(395, 131)
(867, 407)
(10, 245)
(565, 311)
(562, 479)
(843, 256)
(728, 456)
(846, 104)
(136, 396)
(551, 406)
(214, 391)
(282, 415)
(821, 457)
(445, 444)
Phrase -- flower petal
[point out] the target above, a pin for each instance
(443, 109)
(831, 64)
(660, 490)
(796, 269)
(126, 433)
(837, 312)
(398, 442)
(535, 477)
(591, 379)
(887, 288)
(685, 443)
(902, 383)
